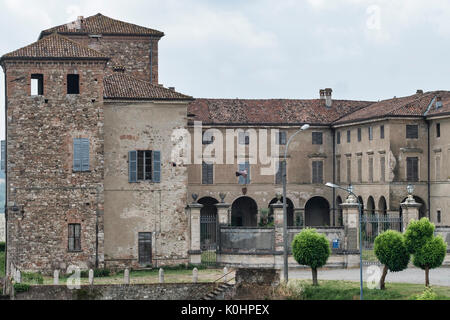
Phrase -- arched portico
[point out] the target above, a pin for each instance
(317, 212)
(244, 212)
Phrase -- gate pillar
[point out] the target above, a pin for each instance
(410, 211)
(350, 215)
(279, 239)
(222, 213)
(195, 253)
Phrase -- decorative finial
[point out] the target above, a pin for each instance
(222, 197)
(194, 197)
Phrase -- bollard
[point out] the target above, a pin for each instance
(18, 276)
(91, 276)
(126, 276)
(56, 277)
(161, 275)
(195, 275)
(225, 272)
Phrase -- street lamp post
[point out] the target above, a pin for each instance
(350, 191)
(285, 240)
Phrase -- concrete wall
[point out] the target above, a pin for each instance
(145, 206)
(166, 291)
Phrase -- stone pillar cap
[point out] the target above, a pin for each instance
(195, 205)
(277, 205)
(222, 205)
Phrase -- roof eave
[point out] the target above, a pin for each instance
(159, 35)
(2, 59)
(149, 99)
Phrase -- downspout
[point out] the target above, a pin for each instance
(6, 175)
(97, 212)
(429, 169)
(333, 133)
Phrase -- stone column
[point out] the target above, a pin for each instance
(194, 251)
(350, 215)
(410, 211)
(222, 213)
(279, 239)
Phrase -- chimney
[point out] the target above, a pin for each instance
(419, 91)
(438, 102)
(79, 22)
(328, 100)
(322, 94)
(172, 88)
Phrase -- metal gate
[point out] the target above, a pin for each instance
(208, 238)
(371, 226)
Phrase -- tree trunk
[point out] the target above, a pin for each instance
(427, 276)
(383, 277)
(314, 275)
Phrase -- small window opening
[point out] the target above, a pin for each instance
(73, 84)
(37, 84)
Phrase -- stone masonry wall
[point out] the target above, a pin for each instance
(129, 51)
(40, 131)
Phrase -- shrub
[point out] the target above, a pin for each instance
(391, 250)
(312, 249)
(427, 294)
(21, 287)
(418, 233)
(2, 246)
(32, 278)
(98, 273)
(430, 256)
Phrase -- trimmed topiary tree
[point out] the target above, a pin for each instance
(418, 233)
(391, 250)
(430, 256)
(311, 249)
(428, 251)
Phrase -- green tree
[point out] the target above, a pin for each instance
(391, 250)
(430, 256)
(311, 249)
(418, 233)
(428, 251)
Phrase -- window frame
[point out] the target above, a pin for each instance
(317, 137)
(39, 77)
(72, 230)
(209, 176)
(70, 84)
(412, 134)
(414, 175)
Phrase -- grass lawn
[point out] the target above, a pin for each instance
(348, 290)
(151, 276)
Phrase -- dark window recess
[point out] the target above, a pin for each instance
(349, 171)
(370, 169)
(74, 237)
(438, 130)
(338, 137)
(439, 216)
(359, 170)
(317, 172)
(37, 84)
(381, 132)
(144, 165)
(370, 129)
(338, 171)
(412, 131)
(412, 169)
(382, 169)
(208, 137)
(73, 84)
(281, 170)
(281, 138)
(348, 136)
(207, 173)
(359, 134)
(317, 138)
(145, 248)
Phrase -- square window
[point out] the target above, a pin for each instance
(412, 131)
(73, 84)
(37, 84)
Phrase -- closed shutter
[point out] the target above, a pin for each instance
(338, 171)
(412, 169)
(156, 166)
(132, 166)
(76, 154)
(317, 138)
(359, 134)
(412, 131)
(84, 154)
(338, 138)
(317, 167)
(381, 132)
(282, 138)
(383, 169)
(349, 171)
(207, 173)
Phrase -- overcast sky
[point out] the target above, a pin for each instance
(363, 49)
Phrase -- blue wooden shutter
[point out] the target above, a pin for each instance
(84, 154)
(241, 168)
(132, 166)
(156, 166)
(247, 167)
(76, 154)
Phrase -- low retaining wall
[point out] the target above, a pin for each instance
(164, 291)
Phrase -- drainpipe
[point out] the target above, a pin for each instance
(96, 227)
(333, 133)
(429, 168)
(6, 174)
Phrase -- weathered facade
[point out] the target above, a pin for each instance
(92, 181)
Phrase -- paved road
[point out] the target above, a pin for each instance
(440, 276)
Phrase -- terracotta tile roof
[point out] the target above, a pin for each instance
(445, 109)
(415, 105)
(55, 46)
(122, 86)
(100, 24)
(271, 111)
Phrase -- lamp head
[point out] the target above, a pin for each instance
(304, 127)
(330, 185)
